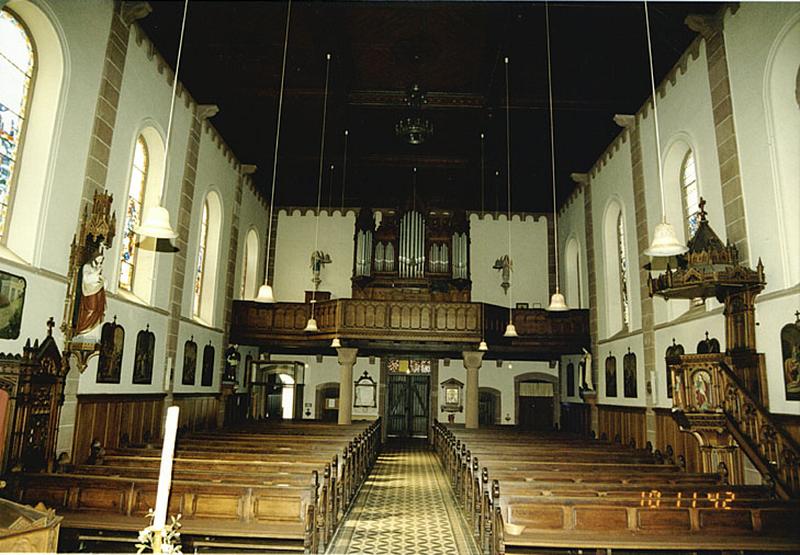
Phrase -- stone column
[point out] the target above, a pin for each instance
(472, 362)
(347, 359)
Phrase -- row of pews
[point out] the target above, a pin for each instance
(529, 492)
(270, 487)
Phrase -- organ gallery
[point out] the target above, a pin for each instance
(400, 277)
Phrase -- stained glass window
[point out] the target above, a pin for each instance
(16, 70)
(691, 196)
(133, 214)
(623, 271)
(201, 258)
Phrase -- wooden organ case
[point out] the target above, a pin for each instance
(414, 255)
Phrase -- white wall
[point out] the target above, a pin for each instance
(294, 245)
(529, 253)
(81, 32)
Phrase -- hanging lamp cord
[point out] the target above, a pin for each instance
(508, 182)
(552, 139)
(344, 168)
(174, 94)
(655, 114)
(319, 181)
(483, 173)
(277, 141)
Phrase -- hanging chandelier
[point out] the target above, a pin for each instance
(414, 128)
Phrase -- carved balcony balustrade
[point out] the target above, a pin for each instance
(444, 327)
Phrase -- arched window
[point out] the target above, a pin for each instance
(623, 273)
(133, 214)
(17, 64)
(249, 266)
(201, 260)
(205, 274)
(691, 196)
(572, 267)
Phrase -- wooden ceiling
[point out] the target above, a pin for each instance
(455, 52)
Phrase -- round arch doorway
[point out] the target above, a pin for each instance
(537, 401)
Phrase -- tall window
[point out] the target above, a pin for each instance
(201, 259)
(133, 214)
(623, 272)
(17, 62)
(691, 197)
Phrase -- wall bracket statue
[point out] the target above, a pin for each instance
(318, 260)
(85, 303)
(505, 265)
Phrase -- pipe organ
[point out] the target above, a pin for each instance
(420, 254)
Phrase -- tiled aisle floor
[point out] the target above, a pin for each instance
(406, 506)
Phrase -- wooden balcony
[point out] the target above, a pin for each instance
(436, 328)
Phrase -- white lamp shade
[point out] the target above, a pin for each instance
(511, 331)
(156, 224)
(311, 326)
(265, 294)
(665, 242)
(336, 343)
(483, 346)
(557, 303)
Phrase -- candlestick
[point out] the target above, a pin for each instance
(165, 474)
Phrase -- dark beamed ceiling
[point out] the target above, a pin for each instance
(454, 51)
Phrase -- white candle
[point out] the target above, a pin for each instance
(165, 475)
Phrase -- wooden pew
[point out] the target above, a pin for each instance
(241, 490)
(582, 502)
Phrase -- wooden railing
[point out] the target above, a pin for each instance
(453, 323)
(707, 384)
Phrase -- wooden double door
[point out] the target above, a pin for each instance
(408, 402)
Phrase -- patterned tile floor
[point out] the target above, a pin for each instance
(406, 506)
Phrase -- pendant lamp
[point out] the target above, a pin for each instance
(482, 346)
(336, 343)
(557, 301)
(265, 293)
(155, 222)
(511, 330)
(311, 326)
(665, 240)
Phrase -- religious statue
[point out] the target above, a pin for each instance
(318, 259)
(505, 265)
(586, 371)
(232, 359)
(92, 299)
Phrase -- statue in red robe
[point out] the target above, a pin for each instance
(92, 303)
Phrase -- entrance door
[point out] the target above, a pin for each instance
(536, 406)
(408, 404)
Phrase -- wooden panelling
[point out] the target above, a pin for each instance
(576, 418)
(198, 412)
(627, 422)
(668, 434)
(108, 417)
(790, 424)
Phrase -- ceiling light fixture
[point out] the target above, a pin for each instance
(155, 222)
(265, 293)
(665, 240)
(311, 326)
(414, 128)
(511, 330)
(557, 301)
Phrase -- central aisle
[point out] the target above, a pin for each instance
(406, 506)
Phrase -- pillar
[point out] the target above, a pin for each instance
(347, 358)
(472, 362)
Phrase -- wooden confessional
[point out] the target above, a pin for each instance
(31, 396)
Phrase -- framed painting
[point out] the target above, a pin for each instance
(629, 375)
(611, 376)
(12, 300)
(365, 392)
(143, 358)
(790, 354)
(112, 343)
(189, 362)
(570, 380)
(207, 375)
